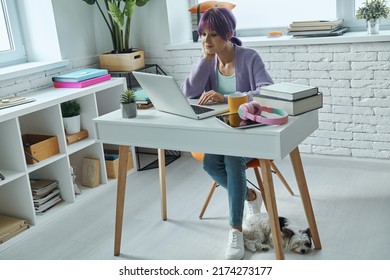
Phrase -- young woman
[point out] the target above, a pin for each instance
(226, 67)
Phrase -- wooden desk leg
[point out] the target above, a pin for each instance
(163, 185)
(270, 201)
(305, 197)
(120, 197)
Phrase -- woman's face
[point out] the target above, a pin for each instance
(212, 43)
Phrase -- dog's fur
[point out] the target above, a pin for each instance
(257, 235)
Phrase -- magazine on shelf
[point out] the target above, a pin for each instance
(80, 75)
(317, 33)
(319, 23)
(42, 187)
(84, 83)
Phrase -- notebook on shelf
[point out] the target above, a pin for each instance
(80, 75)
(167, 96)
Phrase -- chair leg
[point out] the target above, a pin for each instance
(206, 203)
(281, 178)
(260, 184)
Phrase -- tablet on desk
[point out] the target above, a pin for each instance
(234, 121)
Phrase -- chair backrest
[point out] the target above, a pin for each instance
(198, 155)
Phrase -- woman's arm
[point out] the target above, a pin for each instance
(199, 79)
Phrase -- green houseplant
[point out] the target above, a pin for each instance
(71, 116)
(117, 15)
(128, 105)
(372, 11)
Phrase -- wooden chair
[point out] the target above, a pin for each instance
(255, 165)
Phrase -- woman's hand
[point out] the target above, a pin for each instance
(211, 96)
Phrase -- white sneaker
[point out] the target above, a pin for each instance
(235, 247)
(253, 207)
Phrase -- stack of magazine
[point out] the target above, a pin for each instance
(46, 194)
(81, 78)
(295, 99)
(317, 28)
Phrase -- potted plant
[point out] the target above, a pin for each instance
(372, 11)
(128, 105)
(71, 116)
(117, 15)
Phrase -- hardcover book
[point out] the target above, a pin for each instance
(82, 84)
(80, 75)
(288, 91)
(293, 108)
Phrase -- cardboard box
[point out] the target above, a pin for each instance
(91, 172)
(39, 147)
(112, 166)
(122, 61)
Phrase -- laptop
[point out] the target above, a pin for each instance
(167, 96)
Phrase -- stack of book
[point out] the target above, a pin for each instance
(46, 194)
(14, 101)
(317, 28)
(295, 99)
(81, 78)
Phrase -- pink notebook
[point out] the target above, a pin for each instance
(82, 84)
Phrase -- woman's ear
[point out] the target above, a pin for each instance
(229, 36)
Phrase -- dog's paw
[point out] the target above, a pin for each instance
(250, 245)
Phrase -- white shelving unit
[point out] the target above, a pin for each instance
(43, 116)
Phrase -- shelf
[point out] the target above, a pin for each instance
(43, 117)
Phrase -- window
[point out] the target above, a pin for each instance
(258, 17)
(11, 45)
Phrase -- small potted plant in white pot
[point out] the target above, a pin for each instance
(128, 105)
(372, 11)
(71, 116)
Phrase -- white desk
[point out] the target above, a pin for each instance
(154, 129)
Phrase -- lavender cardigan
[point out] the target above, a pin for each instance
(249, 70)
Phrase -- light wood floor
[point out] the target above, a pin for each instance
(351, 201)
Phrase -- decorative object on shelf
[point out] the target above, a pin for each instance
(90, 172)
(200, 8)
(71, 116)
(128, 105)
(372, 11)
(75, 137)
(118, 20)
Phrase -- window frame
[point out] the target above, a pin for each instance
(18, 54)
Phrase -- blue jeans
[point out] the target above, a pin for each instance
(229, 172)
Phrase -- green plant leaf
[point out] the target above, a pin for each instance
(141, 3)
(116, 14)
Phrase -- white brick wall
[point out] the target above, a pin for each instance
(355, 81)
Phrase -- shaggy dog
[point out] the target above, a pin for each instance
(257, 235)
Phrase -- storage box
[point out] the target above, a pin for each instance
(112, 166)
(122, 61)
(39, 147)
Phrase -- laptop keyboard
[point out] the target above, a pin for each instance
(200, 110)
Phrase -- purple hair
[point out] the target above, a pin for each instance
(222, 21)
